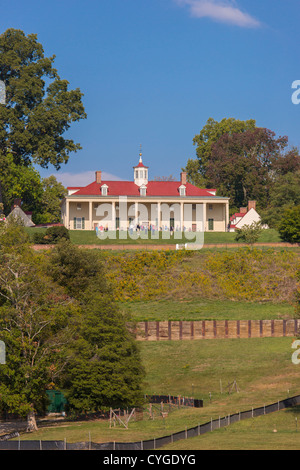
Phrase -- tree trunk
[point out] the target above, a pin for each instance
(31, 422)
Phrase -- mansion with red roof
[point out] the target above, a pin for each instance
(163, 205)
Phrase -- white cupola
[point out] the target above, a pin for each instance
(140, 175)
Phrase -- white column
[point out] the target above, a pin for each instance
(227, 215)
(91, 215)
(136, 211)
(181, 216)
(113, 215)
(158, 216)
(67, 221)
(204, 217)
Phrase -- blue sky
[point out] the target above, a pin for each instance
(153, 71)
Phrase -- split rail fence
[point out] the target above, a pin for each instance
(211, 329)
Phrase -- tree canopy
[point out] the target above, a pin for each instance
(39, 107)
(211, 133)
(62, 329)
(241, 165)
(289, 227)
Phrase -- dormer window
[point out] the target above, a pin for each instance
(182, 190)
(104, 188)
(143, 190)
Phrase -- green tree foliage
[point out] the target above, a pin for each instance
(41, 196)
(19, 182)
(284, 194)
(33, 315)
(211, 133)
(193, 174)
(51, 235)
(289, 227)
(36, 115)
(241, 165)
(285, 188)
(104, 368)
(49, 210)
(249, 234)
(61, 328)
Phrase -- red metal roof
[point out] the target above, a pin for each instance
(237, 214)
(141, 164)
(129, 188)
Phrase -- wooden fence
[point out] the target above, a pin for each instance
(213, 329)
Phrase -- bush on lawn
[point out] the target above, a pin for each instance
(52, 235)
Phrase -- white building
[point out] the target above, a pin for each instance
(119, 205)
(246, 216)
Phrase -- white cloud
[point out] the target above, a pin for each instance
(225, 11)
(82, 179)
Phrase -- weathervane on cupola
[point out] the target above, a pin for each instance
(140, 172)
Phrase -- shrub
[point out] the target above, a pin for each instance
(289, 228)
(249, 233)
(52, 235)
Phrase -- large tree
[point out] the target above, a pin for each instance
(49, 210)
(210, 134)
(19, 182)
(39, 106)
(284, 194)
(104, 366)
(241, 165)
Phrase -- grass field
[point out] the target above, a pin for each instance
(89, 237)
(262, 369)
(202, 309)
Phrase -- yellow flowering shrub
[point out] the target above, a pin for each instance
(246, 274)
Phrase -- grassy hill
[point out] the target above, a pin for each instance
(232, 284)
(262, 369)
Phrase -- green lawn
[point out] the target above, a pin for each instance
(89, 237)
(162, 310)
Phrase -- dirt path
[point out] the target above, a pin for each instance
(168, 247)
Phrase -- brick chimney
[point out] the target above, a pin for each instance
(17, 203)
(251, 205)
(183, 177)
(243, 210)
(98, 177)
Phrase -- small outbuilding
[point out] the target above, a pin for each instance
(246, 216)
